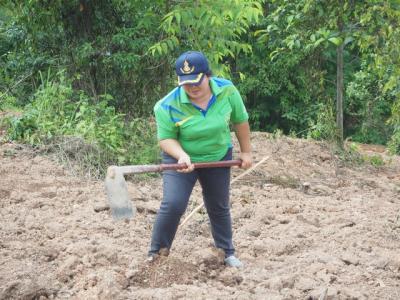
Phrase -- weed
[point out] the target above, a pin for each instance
(278, 133)
(349, 155)
(375, 160)
(83, 130)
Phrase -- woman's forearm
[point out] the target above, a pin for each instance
(173, 148)
(242, 132)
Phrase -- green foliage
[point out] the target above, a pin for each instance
(58, 111)
(304, 34)
(394, 143)
(349, 155)
(212, 26)
(277, 134)
(288, 90)
(368, 109)
(102, 46)
(119, 55)
(324, 128)
(375, 160)
(352, 155)
(8, 102)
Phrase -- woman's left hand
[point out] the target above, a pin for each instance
(246, 159)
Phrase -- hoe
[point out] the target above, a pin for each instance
(117, 190)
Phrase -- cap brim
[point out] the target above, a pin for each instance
(193, 79)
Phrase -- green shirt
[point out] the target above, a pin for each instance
(203, 134)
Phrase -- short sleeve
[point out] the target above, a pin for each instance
(166, 128)
(239, 112)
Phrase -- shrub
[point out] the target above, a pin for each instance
(60, 118)
(324, 128)
(394, 143)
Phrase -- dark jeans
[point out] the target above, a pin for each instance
(177, 188)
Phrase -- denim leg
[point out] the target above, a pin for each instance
(215, 184)
(177, 188)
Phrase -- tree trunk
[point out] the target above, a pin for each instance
(339, 81)
(339, 93)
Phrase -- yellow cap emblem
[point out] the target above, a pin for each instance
(186, 68)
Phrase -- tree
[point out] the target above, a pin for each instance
(212, 26)
(102, 45)
(309, 26)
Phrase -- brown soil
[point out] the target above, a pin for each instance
(305, 224)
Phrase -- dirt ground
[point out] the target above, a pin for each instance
(306, 226)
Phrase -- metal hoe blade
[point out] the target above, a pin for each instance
(117, 195)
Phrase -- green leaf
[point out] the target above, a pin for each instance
(348, 40)
(319, 41)
(260, 32)
(335, 40)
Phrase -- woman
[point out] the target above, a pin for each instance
(193, 126)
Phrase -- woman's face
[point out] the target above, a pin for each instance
(200, 91)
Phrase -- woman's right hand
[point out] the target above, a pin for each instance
(173, 148)
(185, 159)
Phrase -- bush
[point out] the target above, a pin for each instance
(58, 115)
(324, 128)
(7, 102)
(394, 143)
(368, 109)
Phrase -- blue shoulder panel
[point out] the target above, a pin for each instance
(174, 94)
(222, 82)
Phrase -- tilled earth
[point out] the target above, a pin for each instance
(306, 226)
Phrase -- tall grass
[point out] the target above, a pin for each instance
(83, 131)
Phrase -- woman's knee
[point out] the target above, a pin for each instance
(219, 212)
(174, 206)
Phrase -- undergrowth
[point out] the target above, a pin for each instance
(84, 132)
(351, 155)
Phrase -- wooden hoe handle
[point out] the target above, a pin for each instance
(216, 164)
(112, 170)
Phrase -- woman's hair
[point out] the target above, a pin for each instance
(208, 73)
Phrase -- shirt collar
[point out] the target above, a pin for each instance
(184, 96)
(215, 89)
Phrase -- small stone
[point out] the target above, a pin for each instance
(254, 232)
(283, 221)
(305, 187)
(325, 156)
(50, 235)
(99, 208)
(50, 254)
(350, 259)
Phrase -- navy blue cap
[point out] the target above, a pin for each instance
(191, 67)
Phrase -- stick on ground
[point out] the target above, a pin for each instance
(233, 180)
